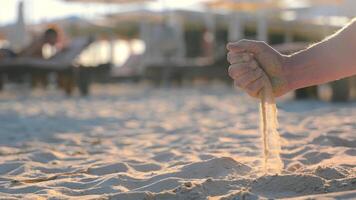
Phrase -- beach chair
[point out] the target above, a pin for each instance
(62, 64)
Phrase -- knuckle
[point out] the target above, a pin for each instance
(232, 45)
(257, 46)
(237, 69)
(243, 41)
(231, 70)
(262, 45)
(229, 56)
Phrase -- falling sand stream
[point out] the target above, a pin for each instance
(272, 162)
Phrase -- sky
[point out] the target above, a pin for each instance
(44, 10)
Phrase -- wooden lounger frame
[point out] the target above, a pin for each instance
(62, 64)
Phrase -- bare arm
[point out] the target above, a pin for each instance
(328, 60)
(331, 59)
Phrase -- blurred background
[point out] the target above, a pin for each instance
(159, 42)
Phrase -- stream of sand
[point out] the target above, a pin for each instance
(271, 140)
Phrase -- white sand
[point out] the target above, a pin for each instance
(136, 143)
(271, 140)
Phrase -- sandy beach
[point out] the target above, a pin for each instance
(130, 142)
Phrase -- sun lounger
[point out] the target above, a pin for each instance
(62, 63)
(62, 60)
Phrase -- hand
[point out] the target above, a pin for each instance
(252, 63)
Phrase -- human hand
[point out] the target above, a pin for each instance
(254, 62)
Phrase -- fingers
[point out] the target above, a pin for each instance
(234, 57)
(249, 77)
(250, 46)
(244, 69)
(254, 88)
(239, 69)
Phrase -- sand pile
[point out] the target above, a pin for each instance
(139, 143)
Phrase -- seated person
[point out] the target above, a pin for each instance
(50, 36)
(35, 50)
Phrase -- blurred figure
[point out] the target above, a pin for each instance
(35, 49)
(254, 61)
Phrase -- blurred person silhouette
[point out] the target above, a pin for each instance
(331, 59)
(35, 49)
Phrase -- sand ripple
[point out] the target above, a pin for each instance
(138, 143)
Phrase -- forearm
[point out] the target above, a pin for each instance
(329, 60)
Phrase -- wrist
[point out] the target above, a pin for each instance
(288, 73)
(296, 70)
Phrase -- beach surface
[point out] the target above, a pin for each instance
(135, 142)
